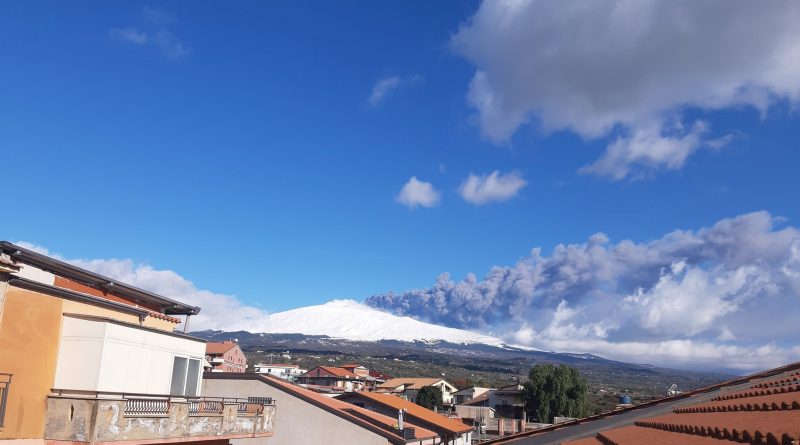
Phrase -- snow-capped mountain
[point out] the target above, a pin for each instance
(351, 320)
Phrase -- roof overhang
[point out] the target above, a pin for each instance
(44, 262)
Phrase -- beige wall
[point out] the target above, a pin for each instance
(297, 422)
(29, 336)
(76, 307)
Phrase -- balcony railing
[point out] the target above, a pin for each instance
(5, 385)
(106, 417)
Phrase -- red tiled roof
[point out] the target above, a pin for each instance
(336, 372)
(416, 411)
(388, 422)
(738, 426)
(767, 413)
(220, 347)
(636, 435)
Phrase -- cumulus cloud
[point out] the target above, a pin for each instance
(387, 86)
(725, 296)
(629, 71)
(418, 193)
(154, 32)
(218, 311)
(494, 187)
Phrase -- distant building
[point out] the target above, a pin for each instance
(508, 401)
(356, 369)
(286, 371)
(466, 394)
(226, 356)
(408, 387)
(329, 378)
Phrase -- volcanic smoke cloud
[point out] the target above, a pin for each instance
(723, 297)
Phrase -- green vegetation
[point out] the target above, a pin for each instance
(429, 397)
(555, 391)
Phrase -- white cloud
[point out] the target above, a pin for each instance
(130, 35)
(628, 70)
(718, 297)
(494, 187)
(387, 86)
(218, 311)
(156, 34)
(418, 193)
(689, 300)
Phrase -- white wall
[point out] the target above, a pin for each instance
(97, 355)
(297, 422)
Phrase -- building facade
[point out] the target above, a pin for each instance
(226, 356)
(87, 359)
(332, 379)
(467, 394)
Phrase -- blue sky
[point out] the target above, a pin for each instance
(237, 145)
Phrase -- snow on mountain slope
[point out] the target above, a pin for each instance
(352, 320)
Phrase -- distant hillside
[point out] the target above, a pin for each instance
(464, 363)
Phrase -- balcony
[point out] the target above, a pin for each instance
(102, 417)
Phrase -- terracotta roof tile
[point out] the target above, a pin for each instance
(773, 402)
(757, 392)
(766, 413)
(747, 426)
(636, 435)
(793, 379)
(419, 412)
(220, 347)
(388, 422)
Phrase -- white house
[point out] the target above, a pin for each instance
(466, 394)
(408, 387)
(286, 371)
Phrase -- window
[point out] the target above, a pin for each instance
(185, 376)
(178, 375)
(191, 377)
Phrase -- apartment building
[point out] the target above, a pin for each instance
(87, 360)
(226, 356)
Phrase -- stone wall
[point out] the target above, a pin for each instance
(79, 419)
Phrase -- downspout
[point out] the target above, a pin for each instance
(186, 324)
(3, 289)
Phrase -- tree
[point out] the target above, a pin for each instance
(430, 396)
(555, 392)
